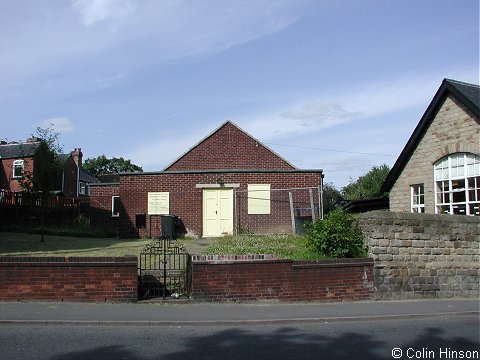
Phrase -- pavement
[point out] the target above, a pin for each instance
(190, 313)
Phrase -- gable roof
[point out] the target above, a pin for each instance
(207, 155)
(87, 176)
(18, 150)
(468, 94)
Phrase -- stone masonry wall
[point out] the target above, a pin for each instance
(423, 255)
(454, 129)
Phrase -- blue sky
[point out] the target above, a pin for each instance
(332, 84)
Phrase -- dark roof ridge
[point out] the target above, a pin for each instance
(472, 101)
(460, 82)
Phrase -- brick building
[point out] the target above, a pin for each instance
(228, 182)
(438, 171)
(17, 159)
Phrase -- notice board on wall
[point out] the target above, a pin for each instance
(158, 203)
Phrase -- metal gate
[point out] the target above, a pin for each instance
(164, 270)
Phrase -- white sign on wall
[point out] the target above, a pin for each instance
(158, 203)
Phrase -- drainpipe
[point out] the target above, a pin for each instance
(321, 197)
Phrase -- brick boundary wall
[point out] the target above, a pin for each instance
(261, 277)
(423, 255)
(85, 279)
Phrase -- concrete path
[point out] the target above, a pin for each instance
(176, 313)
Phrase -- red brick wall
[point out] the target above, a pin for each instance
(86, 279)
(100, 210)
(70, 178)
(217, 278)
(229, 148)
(8, 182)
(186, 199)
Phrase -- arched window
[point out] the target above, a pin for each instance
(457, 184)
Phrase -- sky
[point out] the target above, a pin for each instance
(337, 85)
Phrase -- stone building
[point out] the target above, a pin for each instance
(438, 171)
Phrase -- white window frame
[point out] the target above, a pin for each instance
(259, 199)
(18, 164)
(83, 188)
(457, 184)
(115, 214)
(417, 198)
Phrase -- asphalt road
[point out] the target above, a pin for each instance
(433, 337)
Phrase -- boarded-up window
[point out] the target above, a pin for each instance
(258, 199)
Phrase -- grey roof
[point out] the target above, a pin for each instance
(87, 176)
(18, 150)
(470, 92)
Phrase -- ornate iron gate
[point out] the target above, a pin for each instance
(164, 270)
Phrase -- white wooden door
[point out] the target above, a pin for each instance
(217, 212)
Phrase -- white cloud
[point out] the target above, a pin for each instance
(59, 124)
(98, 35)
(356, 104)
(92, 11)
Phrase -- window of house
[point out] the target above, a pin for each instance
(115, 206)
(258, 199)
(83, 188)
(18, 166)
(417, 198)
(457, 184)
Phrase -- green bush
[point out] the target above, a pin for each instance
(336, 236)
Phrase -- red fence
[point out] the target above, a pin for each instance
(24, 209)
(14, 198)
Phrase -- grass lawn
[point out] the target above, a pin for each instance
(22, 244)
(284, 246)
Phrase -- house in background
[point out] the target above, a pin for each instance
(438, 171)
(228, 182)
(17, 159)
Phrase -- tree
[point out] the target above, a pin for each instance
(101, 165)
(368, 185)
(46, 174)
(331, 197)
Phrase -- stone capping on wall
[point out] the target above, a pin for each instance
(381, 214)
(300, 264)
(225, 259)
(332, 263)
(68, 261)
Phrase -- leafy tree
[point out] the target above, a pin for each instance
(101, 165)
(331, 197)
(46, 174)
(336, 236)
(368, 185)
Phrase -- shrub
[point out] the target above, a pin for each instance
(336, 236)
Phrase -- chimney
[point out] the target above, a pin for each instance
(77, 156)
(33, 139)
